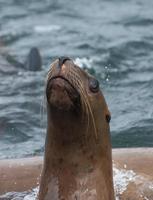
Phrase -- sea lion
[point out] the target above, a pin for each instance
(9, 64)
(33, 61)
(77, 160)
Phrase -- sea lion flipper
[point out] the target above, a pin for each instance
(33, 61)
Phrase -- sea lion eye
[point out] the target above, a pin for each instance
(108, 118)
(94, 85)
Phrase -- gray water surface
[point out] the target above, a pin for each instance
(112, 38)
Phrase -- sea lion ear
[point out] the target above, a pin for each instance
(108, 116)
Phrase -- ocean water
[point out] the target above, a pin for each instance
(113, 39)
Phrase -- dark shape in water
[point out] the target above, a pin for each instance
(32, 63)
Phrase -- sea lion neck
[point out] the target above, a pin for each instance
(67, 130)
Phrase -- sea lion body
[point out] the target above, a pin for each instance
(77, 162)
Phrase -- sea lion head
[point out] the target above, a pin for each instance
(70, 89)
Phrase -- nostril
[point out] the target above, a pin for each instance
(62, 60)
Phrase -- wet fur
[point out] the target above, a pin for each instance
(78, 162)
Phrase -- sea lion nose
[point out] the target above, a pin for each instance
(62, 60)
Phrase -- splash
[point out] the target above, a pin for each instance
(84, 62)
(122, 178)
(46, 28)
(32, 195)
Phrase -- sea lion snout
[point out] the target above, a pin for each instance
(62, 60)
(61, 94)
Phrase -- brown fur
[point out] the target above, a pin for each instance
(78, 161)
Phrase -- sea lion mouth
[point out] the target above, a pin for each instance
(61, 93)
